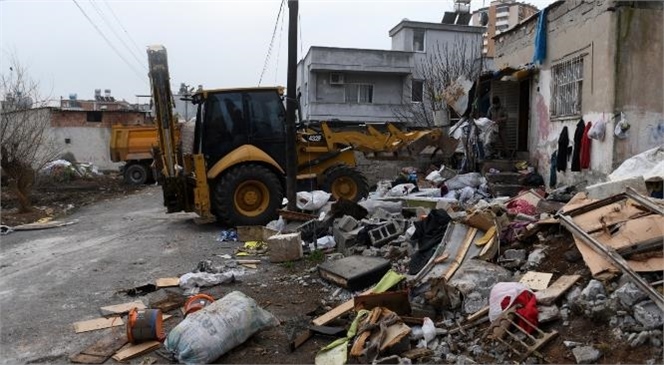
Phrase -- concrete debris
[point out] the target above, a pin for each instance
(586, 354)
(649, 315)
(593, 290)
(629, 294)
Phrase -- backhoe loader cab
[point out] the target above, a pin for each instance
(241, 135)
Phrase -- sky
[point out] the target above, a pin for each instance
(216, 43)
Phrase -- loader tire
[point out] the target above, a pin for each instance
(136, 174)
(247, 195)
(345, 182)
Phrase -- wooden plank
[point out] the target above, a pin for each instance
(301, 338)
(361, 339)
(393, 335)
(87, 359)
(536, 280)
(166, 282)
(337, 311)
(97, 324)
(461, 255)
(250, 266)
(106, 346)
(248, 261)
(549, 295)
(479, 314)
(395, 301)
(121, 308)
(131, 351)
(417, 353)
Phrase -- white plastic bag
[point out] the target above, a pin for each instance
(597, 130)
(401, 189)
(191, 281)
(312, 201)
(472, 179)
(500, 291)
(325, 242)
(383, 187)
(435, 177)
(205, 335)
(428, 332)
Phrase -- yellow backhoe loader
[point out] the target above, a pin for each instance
(235, 170)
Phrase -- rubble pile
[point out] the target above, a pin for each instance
(487, 277)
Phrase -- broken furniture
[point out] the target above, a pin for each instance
(354, 272)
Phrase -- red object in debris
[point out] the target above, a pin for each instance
(196, 303)
(585, 147)
(528, 309)
(521, 206)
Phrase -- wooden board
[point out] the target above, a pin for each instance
(417, 353)
(131, 351)
(121, 308)
(536, 280)
(395, 301)
(361, 338)
(393, 335)
(461, 255)
(549, 295)
(166, 282)
(100, 351)
(97, 324)
(479, 314)
(337, 311)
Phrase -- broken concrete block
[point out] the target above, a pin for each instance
(354, 272)
(345, 240)
(592, 290)
(586, 354)
(607, 189)
(285, 247)
(385, 233)
(547, 313)
(346, 223)
(629, 294)
(513, 254)
(649, 315)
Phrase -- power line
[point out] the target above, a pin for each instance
(108, 41)
(276, 67)
(108, 24)
(269, 49)
(140, 51)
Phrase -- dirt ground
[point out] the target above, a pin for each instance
(52, 278)
(58, 199)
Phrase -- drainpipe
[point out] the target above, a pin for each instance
(615, 20)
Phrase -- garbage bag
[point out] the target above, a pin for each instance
(472, 179)
(402, 189)
(312, 201)
(622, 128)
(597, 130)
(205, 335)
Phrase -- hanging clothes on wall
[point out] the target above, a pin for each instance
(578, 137)
(563, 143)
(553, 177)
(585, 147)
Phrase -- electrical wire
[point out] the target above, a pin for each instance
(142, 77)
(269, 49)
(276, 67)
(140, 51)
(108, 24)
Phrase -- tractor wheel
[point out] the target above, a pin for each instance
(345, 182)
(247, 195)
(136, 174)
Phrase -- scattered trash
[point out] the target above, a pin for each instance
(196, 303)
(227, 236)
(191, 282)
(217, 328)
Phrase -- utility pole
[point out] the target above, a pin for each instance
(291, 105)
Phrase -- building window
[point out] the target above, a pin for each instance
(418, 40)
(502, 9)
(567, 88)
(359, 93)
(94, 116)
(417, 91)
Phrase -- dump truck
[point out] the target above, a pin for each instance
(133, 144)
(233, 169)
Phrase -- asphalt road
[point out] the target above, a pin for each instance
(52, 278)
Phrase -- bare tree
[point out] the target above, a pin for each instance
(439, 68)
(25, 142)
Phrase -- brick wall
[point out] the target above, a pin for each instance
(74, 118)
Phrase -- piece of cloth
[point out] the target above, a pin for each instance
(563, 144)
(528, 309)
(539, 54)
(520, 206)
(553, 177)
(428, 234)
(578, 137)
(586, 142)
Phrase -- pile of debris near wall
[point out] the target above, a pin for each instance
(457, 268)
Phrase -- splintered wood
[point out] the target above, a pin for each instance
(97, 324)
(549, 295)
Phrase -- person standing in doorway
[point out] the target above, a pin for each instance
(498, 114)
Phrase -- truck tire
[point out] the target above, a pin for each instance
(136, 174)
(345, 182)
(247, 195)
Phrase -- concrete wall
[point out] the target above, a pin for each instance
(86, 144)
(574, 28)
(640, 78)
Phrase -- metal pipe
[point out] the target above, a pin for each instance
(291, 105)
